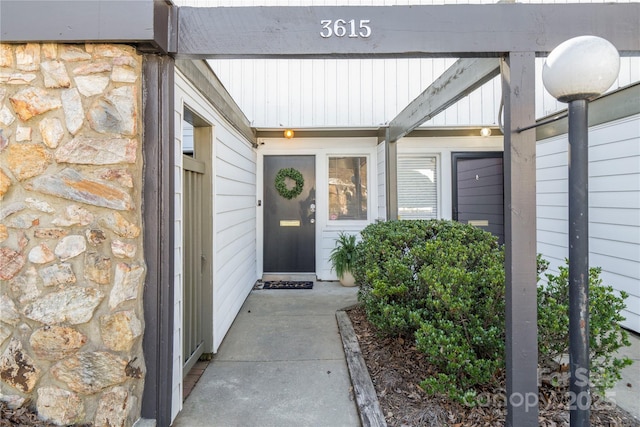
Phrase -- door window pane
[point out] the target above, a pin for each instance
(347, 188)
(417, 187)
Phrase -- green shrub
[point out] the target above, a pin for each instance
(442, 283)
(606, 336)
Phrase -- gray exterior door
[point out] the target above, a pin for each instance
(289, 225)
(478, 191)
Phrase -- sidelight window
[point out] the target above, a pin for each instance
(347, 188)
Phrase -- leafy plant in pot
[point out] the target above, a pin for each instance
(342, 258)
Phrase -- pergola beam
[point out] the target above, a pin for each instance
(147, 23)
(455, 83)
(400, 31)
(468, 30)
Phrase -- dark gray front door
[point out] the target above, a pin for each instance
(478, 191)
(289, 225)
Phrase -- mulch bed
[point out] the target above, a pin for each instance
(397, 368)
(20, 417)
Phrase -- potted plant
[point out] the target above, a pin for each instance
(342, 258)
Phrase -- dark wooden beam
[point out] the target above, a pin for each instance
(203, 78)
(455, 83)
(401, 31)
(158, 225)
(518, 89)
(151, 24)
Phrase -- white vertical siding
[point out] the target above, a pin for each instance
(234, 239)
(344, 93)
(364, 93)
(614, 206)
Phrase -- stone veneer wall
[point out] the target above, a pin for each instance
(71, 260)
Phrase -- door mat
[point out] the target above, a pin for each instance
(288, 284)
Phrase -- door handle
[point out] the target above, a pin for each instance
(312, 220)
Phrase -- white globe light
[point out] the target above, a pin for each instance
(581, 68)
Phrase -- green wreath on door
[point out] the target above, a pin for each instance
(281, 185)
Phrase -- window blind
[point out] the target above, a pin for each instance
(417, 186)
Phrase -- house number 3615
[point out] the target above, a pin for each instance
(342, 28)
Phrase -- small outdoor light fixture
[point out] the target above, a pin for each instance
(485, 132)
(288, 133)
(576, 71)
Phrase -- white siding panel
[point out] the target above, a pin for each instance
(377, 90)
(366, 92)
(614, 205)
(176, 386)
(555, 186)
(610, 215)
(622, 250)
(552, 237)
(555, 159)
(318, 91)
(622, 233)
(552, 199)
(235, 267)
(553, 173)
(629, 182)
(234, 195)
(306, 92)
(621, 166)
(621, 148)
(344, 92)
(550, 224)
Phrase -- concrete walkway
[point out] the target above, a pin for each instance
(626, 393)
(281, 364)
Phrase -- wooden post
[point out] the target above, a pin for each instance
(158, 192)
(518, 88)
(391, 174)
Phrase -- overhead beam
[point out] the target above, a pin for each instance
(455, 83)
(400, 31)
(151, 24)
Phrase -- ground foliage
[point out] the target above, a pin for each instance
(397, 368)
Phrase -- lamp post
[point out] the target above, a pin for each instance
(575, 72)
